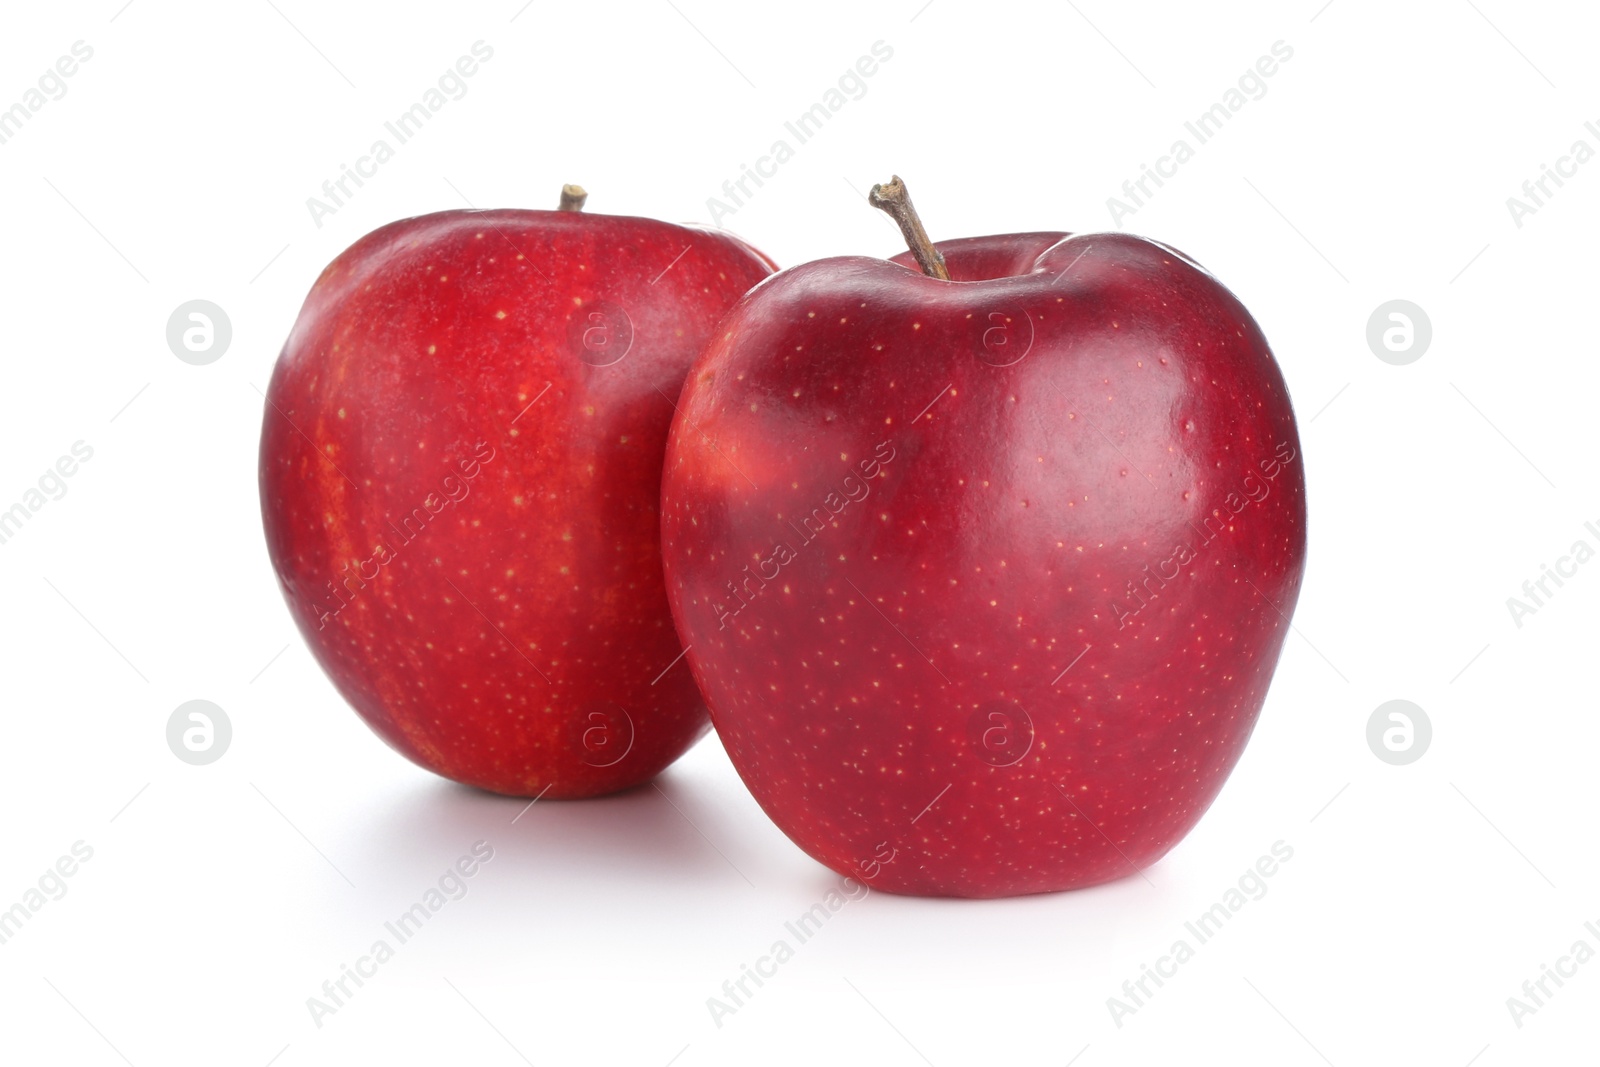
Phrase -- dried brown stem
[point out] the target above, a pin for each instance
(893, 198)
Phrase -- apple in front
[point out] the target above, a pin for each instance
(984, 580)
(460, 468)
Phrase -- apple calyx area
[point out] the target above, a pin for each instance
(893, 198)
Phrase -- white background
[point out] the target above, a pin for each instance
(219, 898)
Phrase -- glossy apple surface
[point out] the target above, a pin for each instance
(987, 576)
(460, 467)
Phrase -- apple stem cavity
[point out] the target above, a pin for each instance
(572, 198)
(893, 198)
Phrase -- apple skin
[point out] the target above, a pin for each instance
(946, 669)
(460, 480)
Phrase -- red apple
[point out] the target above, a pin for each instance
(989, 575)
(460, 468)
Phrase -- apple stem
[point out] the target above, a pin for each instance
(572, 198)
(893, 198)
